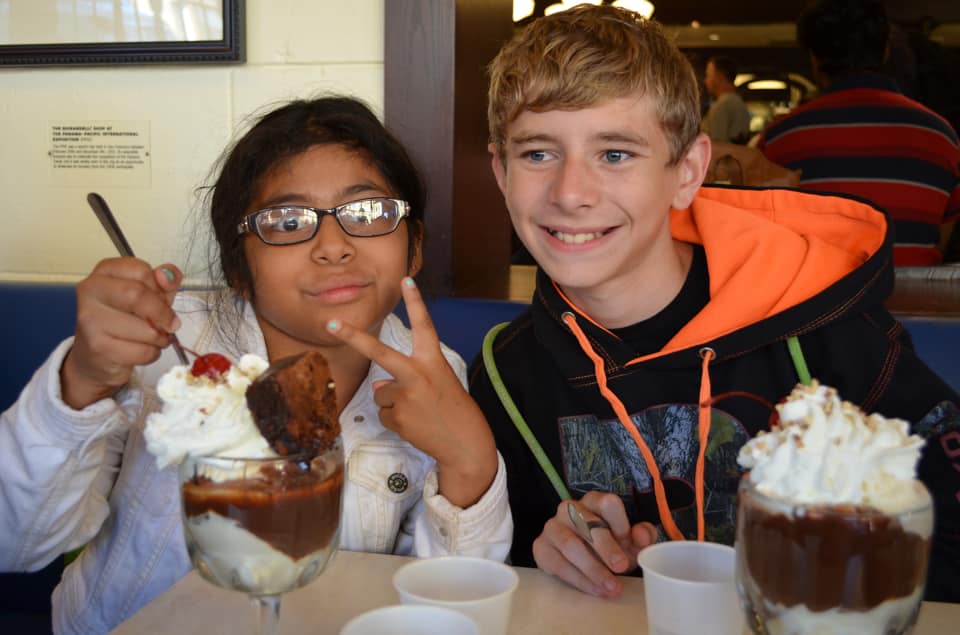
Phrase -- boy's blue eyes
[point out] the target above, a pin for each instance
(609, 156)
(616, 156)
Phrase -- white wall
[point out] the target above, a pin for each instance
(293, 48)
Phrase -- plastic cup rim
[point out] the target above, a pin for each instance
(674, 544)
(426, 562)
(406, 608)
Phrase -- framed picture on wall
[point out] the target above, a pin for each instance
(98, 32)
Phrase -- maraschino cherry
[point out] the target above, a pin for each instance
(212, 365)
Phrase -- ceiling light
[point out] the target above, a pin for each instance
(643, 7)
(767, 84)
(522, 9)
(555, 8)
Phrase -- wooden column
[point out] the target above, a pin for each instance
(435, 56)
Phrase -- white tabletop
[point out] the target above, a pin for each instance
(357, 582)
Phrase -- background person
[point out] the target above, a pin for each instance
(728, 118)
(863, 137)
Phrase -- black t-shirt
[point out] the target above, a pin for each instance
(652, 334)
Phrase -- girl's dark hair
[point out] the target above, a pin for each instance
(282, 134)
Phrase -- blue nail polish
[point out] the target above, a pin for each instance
(408, 282)
(333, 325)
(169, 274)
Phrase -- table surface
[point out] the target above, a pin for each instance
(357, 582)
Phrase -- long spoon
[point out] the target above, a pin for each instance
(110, 224)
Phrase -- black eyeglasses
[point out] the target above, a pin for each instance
(292, 224)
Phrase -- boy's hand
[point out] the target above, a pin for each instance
(427, 405)
(118, 305)
(593, 569)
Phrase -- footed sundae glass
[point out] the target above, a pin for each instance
(263, 526)
(831, 568)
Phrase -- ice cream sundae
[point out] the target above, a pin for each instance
(833, 528)
(261, 467)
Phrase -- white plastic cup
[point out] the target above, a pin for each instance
(690, 589)
(481, 589)
(411, 620)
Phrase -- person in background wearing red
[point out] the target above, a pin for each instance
(863, 137)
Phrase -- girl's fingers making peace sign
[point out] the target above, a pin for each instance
(426, 404)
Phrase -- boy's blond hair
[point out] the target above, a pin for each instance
(579, 57)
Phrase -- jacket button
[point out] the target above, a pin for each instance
(397, 483)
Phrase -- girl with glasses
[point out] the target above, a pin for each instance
(317, 217)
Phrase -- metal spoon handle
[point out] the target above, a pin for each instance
(109, 222)
(582, 525)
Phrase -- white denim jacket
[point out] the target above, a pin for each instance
(71, 478)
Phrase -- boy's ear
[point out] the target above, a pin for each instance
(692, 170)
(499, 169)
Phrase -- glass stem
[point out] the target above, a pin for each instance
(268, 607)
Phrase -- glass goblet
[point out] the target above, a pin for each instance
(263, 526)
(831, 569)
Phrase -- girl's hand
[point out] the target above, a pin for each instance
(118, 305)
(427, 405)
(593, 568)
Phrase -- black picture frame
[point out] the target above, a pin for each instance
(230, 49)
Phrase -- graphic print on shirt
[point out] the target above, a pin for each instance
(600, 455)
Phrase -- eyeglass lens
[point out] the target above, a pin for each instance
(290, 224)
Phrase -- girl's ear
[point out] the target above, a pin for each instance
(415, 258)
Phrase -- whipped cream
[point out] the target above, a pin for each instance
(828, 451)
(204, 416)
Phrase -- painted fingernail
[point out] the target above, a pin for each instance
(333, 325)
(408, 282)
(169, 274)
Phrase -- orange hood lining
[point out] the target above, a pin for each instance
(767, 251)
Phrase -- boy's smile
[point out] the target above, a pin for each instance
(589, 193)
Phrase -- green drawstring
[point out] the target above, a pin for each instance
(490, 364)
(799, 363)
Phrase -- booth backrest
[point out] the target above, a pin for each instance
(35, 317)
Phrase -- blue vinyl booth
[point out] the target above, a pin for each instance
(36, 316)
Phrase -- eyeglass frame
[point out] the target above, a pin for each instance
(249, 225)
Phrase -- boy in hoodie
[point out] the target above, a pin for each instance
(666, 313)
